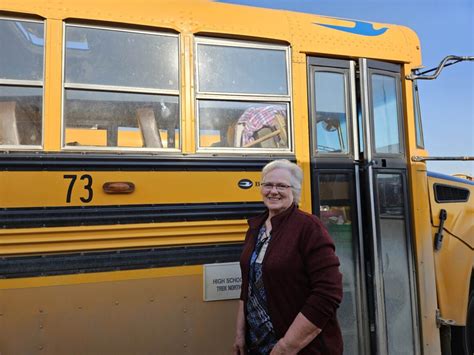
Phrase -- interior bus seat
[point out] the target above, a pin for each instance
(237, 130)
(8, 125)
(149, 128)
(263, 136)
(230, 135)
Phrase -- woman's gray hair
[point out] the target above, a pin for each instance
(296, 175)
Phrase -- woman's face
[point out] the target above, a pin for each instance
(276, 192)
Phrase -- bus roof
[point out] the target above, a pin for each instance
(306, 33)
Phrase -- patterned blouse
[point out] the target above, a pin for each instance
(261, 337)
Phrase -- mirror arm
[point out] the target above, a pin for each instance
(444, 63)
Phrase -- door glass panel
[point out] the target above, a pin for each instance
(385, 114)
(331, 112)
(336, 213)
(395, 265)
(390, 191)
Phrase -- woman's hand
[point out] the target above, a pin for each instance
(239, 345)
(300, 334)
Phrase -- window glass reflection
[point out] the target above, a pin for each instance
(331, 115)
(228, 69)
(121, 58)
(22, 47)
(385, 114)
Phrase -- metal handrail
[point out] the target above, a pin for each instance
(417, 158)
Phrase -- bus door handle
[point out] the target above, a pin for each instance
(364, 163)
(118, 187)
(438, 239)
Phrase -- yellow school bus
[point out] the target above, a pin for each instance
(132, 135)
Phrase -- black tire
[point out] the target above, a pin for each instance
(462, 338)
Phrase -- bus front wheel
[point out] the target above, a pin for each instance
(462, 338)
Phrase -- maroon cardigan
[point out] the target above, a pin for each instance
(300, 274)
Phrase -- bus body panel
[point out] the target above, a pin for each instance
(24, 241)
(454, 272)
(460, 208)
(127, 312)
(454, 261)
(423, 242)
(150, 187)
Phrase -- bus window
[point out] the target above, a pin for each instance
(121, 89)
(331, 112)
(242, 95)
(386, 114)
(21, 83)
(242, 124)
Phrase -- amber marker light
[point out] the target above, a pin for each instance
(119, 187)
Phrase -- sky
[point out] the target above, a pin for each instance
(444, 27)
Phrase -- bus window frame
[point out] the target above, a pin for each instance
(337, 66)
(243, 97)
(392, 71)
(29, 84)
(121, 90)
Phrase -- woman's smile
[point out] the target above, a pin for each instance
(276, 191)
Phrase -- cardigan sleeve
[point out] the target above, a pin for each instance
(322, 267)
(244, 264)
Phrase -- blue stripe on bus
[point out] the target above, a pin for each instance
(360, 28)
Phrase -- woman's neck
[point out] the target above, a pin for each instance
(268, 226)
(273, 213)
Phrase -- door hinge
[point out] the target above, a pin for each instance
(441, 321)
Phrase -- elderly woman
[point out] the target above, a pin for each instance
(291, 284)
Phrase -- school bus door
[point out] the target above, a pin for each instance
(359, 191)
